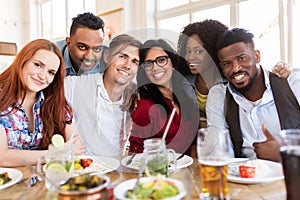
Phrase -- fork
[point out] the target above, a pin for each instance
(130, 159)
(141, 171)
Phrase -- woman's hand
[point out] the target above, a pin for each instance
(77, 146)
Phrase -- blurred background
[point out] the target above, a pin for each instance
(273, 22)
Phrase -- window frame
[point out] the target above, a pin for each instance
(285, 21)
(86, 5)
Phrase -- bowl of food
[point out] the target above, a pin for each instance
(150, 188)
(83, 185)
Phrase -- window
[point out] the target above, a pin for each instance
(177, 23)
(57, 16)
(171, 33)
(295, 34)
(264, 26)
(220, 13)
(46, 20)
(167, 4)
(276, 30)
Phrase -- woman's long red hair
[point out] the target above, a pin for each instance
(55, 106)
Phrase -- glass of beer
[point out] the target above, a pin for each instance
(213, 166)
(290, 158)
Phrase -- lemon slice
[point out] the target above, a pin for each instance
(55, 166)
(69, 166)
(58, 141)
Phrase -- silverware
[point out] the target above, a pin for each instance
(33, 180)
(141, 171)
(233, 166)
(172, 162)
(37, 175)
(131, 159)
(180, 156)
(22, 180)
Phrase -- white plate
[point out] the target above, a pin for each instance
(90, 190)
(266, 171)
(185, 161)
(120, 190)
(14, 174)
(100, 165)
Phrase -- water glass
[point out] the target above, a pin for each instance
(290, 157)
(158, 157)
(59, 166)
(213, 166)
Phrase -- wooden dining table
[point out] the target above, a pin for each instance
(190, 176)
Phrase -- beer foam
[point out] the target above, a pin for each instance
(213, 162)
(295, 150)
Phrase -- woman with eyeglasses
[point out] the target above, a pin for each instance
(161, 88)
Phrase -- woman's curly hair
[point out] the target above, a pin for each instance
(208, 31)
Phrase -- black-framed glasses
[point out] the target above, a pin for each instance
(161, 61)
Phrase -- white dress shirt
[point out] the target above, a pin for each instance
(99, 120)
(252, 114)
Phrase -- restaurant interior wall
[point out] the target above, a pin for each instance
(14, 28)
(14, 22)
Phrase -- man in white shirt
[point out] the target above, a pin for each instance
(96, 98)
(258, 116)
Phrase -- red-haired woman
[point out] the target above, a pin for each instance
(33, 106)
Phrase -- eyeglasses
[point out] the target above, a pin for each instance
(161, 61)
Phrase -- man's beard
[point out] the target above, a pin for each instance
(250, 84)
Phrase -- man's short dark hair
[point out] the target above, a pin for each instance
(235, 35)
(87, 20)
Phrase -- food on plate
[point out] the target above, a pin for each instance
(82, 183)
(247, 171)
(82, 163)
(153, 189)
(4, 178)
(255, 168)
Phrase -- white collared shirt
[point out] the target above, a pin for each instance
(99, 119)
(252, 116)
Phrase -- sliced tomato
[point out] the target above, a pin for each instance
(247, 171)
(86, 162)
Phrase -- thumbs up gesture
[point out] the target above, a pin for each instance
(268, 149)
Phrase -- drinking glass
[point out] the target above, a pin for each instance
(290, 158)
(213, 166)
(59, 166)
(158, 157)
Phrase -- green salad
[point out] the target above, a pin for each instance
(153, 189)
